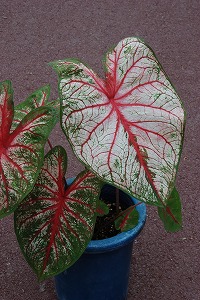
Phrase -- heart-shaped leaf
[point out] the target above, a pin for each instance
(54, 225)
(21, 150)
(171, 215)
(128, 128)
(127, 219)
(102, 209)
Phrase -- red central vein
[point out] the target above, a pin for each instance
(6, 115)
(111, 77)
(132, 139)
(112, 145)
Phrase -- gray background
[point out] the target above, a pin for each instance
(32, 33)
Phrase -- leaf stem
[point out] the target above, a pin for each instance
(117, 200)
(50, 145)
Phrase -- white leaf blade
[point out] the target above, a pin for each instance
(128, 130)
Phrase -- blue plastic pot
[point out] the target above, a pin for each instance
(102, 272)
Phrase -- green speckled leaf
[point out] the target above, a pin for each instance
(127, 220)
(37, 99)
(102, 209)
(21, 150)
(54, 225)
(171, 215)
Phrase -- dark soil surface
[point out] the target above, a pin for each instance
(35, 32)
(105, 225)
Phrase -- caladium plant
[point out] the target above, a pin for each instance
(126, 129)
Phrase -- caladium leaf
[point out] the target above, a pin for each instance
(21, 151)
(127, 220)
(56, 105)
(101, 209)
(54, 225)
(6, 110)
(37, 99)
(171, 215)
(128, 128)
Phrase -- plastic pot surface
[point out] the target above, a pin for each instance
(102, 272)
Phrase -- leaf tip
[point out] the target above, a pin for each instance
(6, 84)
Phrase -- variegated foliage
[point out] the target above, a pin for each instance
(37, 99)
(22, 140)
(128, 128)
(54, 224)
(127, 220)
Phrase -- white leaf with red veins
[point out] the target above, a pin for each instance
(127, 129)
